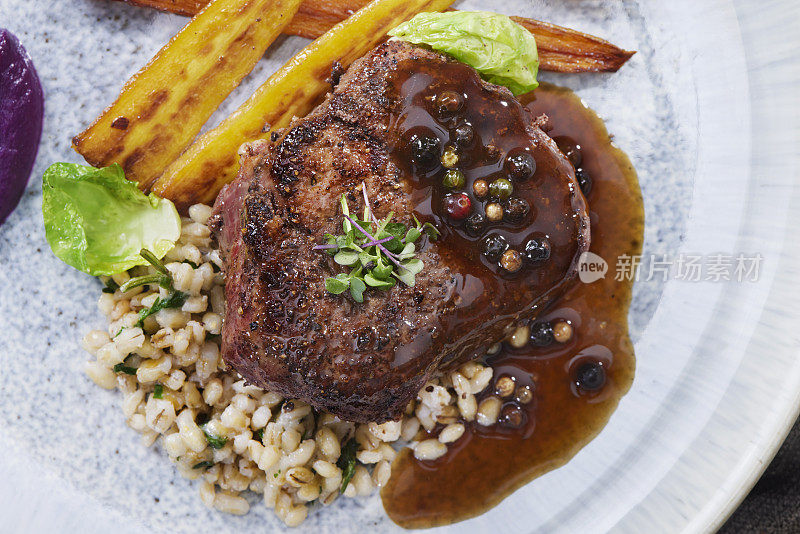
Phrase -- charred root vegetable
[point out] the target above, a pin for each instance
(211, 162)
(560, 49)
(21, 112)
(188, 8)
(162, 108)
(148, 130)
(565, 50)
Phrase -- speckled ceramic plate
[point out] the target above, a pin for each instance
(708, 112)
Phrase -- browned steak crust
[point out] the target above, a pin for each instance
(364, 362)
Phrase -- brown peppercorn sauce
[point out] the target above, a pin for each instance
(434, 105)
(556, 418)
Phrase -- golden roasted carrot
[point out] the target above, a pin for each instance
(212, 161)
(560, 49)
(162, 108)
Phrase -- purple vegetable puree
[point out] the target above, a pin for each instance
(21, 113)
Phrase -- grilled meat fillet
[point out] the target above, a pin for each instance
(390, 121)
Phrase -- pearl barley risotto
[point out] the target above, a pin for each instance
(161, 351)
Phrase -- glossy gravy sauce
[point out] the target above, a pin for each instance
(445, 108)
(488, 463)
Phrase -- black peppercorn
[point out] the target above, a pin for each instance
(570, 149)
(464, 135)
(542, 334)
(493, 246)
(516, 209)
(590, 376)
(537, 250)
(475, 224)
(425, 150)
(584, 180)
(520, 166)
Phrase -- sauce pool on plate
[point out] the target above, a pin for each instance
(559, 390)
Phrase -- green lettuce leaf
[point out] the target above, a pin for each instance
(501, 50)
(97, 221)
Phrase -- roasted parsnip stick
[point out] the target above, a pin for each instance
(211, 162)
(566, 50)
(162, 108)
(560, 49)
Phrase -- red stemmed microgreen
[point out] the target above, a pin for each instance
(378, 252)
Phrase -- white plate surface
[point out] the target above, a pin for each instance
(707, 110)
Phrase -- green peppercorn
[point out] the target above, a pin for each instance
(454, 179)
(501, 188)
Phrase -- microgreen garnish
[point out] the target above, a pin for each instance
(122, 368)
(216, 442)
(347, 462)
(111, 286)
(163, 277)
(175, 299)
(206, 464)
(378, 252)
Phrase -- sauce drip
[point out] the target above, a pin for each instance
(488, 463)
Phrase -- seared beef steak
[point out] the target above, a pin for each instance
(393, 124)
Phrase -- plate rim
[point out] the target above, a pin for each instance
(754, 465)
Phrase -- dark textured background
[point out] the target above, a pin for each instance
(773, 506)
